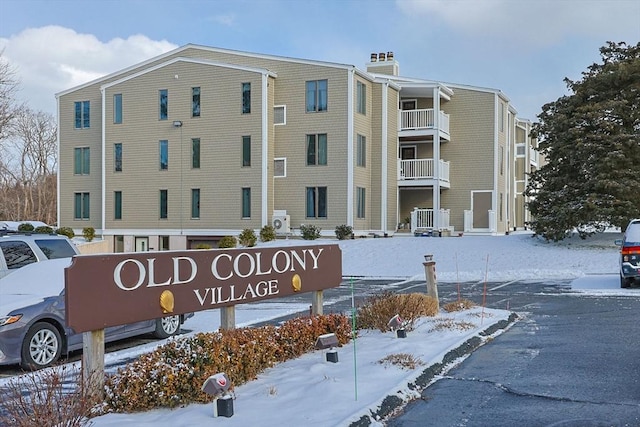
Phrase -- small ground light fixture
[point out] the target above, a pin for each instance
(218, 386)
(397, 324)
(328, 341)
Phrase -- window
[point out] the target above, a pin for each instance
(246, 202)
(195, 153)
(280, 115)
(361, 151)
(117, 108)
(316, 96)
(164, 243)
(164, 154)
(81, 160)
(280, 167)
(81, 206)
(164, 204)
(360, 201)
(501, 117)
(164, 104)
(117, 157)
(316, 202)
(195, 102)
(501, 159)
(55, 248)
(17, 254)
(317, 149)
(117, 205)
(246, 151)
(362, 98)
(195, 203)
(82, 109)
(246, 98)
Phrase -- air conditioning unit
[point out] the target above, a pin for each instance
(281, 222)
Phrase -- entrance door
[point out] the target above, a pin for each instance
(142, 244)
(408, 152)
(481, 205)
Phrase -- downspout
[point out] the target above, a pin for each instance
(384, 165)
(496, 162)
(103, 162)
(265, 151)
(350, 167)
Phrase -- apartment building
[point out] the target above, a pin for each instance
(204, 142)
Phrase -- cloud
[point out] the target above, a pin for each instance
(52, 59)
(228, 20)
(535, 24)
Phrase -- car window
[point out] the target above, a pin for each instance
(632, 234)
(54, 249)
(17, 254)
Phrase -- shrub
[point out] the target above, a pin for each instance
(267, 233)
(43, 229)
(227, 242)
(310, 231)
(203, 246)
(377, 310)
(66, 231)
(463, 304)
(344, 232)
(25, 227)
(172, 374)
(248, 238)
(89, 233)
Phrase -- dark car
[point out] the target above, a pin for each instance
(33, 331)
(630, 254)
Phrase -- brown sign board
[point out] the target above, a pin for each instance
(116, 289)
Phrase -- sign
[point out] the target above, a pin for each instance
(117, 289)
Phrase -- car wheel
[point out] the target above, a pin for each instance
(624, 282)
(167, 326)
(41, 347)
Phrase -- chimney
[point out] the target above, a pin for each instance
(374, 57)
(383, 63)
(389, 56)
(381, 56)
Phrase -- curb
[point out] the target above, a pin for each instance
(392, 403)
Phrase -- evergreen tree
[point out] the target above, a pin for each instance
(591, 141)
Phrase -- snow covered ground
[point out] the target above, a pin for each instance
(313, 392)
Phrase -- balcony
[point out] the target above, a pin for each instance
(421, 172)
(416, 122)
(424, 219)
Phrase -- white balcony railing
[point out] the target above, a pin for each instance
(424, 219)
(422, 119)
(422, 169)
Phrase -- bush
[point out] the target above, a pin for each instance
(25, 227)
(203, 246)
(89, 233)
(172, 374)
(344, 232)
(267, 233)
(66, 231)
(377, 310)
(248, 238)
(460, 305)
(310, 231)
(227, 242)
(43, 229)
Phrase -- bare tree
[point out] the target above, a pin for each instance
(8, 104)
(28, 174)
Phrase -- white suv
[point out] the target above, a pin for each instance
(630, 254)
(18, 249)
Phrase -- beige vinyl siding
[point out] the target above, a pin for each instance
(392, 158)
(375, 156)
(220, 128)
(290, 192)
(362, 176)
(73, 138)
(470, 151)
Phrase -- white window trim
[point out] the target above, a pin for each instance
(284, 159)
(284, 107)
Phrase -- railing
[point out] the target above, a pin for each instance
(422, 119)
(424, 219)
(422, 169)
(533, 155)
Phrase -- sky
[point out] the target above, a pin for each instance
(288, 394)
(525, 48)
